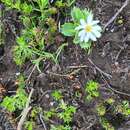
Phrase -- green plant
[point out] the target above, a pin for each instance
(67, 112)
(106, 106)
(38, 23)
(57, 95)
(25, 7)
(63, 112)
(27, 49)
(123, 108)
(30, 123)
(91, 89)
(24, 50)
(15, 102)
(84, 32)
(49, 114)
(101, 109)
(60, 127)
(21, 51)
(20, 81)
(64, 3)
(70, 2)
(106, 124)
(114, 108)
(60, 4)
(43, 4)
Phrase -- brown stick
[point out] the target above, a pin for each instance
(25, 111)
(113, 89)
(117, 13)
(101, 71)
(42, 121)
(33, 69)
(77, 66)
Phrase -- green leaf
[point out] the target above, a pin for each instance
(92, 89)
(77, 14)
(68, 29)
(17, 5)
(86, 13)
(63, 105)
(85, 45)
(43, 4)
(70, 2)
(15, 102)
(8, 2)
(8, 103)
(57, 95)
(29, 125)
(49, 114)
(76, 38)
(27, 9)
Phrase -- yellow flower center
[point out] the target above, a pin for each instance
(88, 28)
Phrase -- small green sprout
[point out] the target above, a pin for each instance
(124, 108)
(57, 95)
(60, 127)
(49, 114)
(31, 122)
(92, 90)
(101, 110)
(106, 124)
(29, 125)
(67, 112)
(120, 21)
(25, 7)
(15, 102)
(63, 112)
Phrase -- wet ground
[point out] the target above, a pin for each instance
(108, 63)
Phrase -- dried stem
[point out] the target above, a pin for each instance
(117, 13)
(25, 111)
(101, 71)
(113, 89)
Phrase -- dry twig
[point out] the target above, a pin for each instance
(117, 13)
(42, 121)
(64, 75)
(77, 66)
(33, 69)
(25, 111)
(121, 49)
(113, 89)
(101, 71)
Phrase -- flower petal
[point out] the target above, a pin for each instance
(86, 38)
(92, 37)
(97, 28)
(89, 18)
(95, 22)
(82, 38)
(81, 33)
(82, 22)
(79, 27)
(96, 33)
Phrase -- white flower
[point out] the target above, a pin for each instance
(89, 30)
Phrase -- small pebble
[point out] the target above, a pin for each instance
(51, 103)
(47, 96)
(18, 73)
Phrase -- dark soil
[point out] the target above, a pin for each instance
(111, 54)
